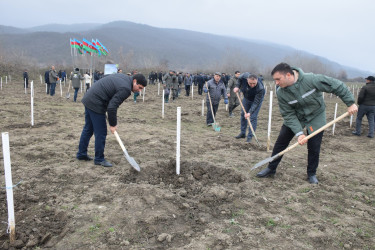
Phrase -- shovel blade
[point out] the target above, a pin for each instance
(132, 162)
(216, 127)
(265, 161)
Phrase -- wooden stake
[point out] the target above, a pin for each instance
(178, 140)
(9, 187)
(32, 102)
(269, 122)
(162, 107)
(334, 125)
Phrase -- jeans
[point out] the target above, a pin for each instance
(313, 149)
(209, 118)
(253, 117)
(369, 111)
(94, 124)
(53, 86)
(75, 94)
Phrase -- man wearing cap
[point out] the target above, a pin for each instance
(302, 106)
(105, 96)
(216, 89)
(253, 92)
(366, 102)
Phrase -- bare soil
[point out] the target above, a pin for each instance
(215, 203)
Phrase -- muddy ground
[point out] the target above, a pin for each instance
(215, 203)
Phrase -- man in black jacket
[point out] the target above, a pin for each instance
(105, 96)
(366, 102)
(253, 92)
(25, 79)
(46, 80)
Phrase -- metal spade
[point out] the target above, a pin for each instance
(131, 160)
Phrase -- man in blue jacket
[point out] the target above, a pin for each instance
(253, 91)
(105, 96)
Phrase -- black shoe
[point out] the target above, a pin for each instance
(249, 139)
(85, 158)
(240, 136)
(355, 133)
(209, 124)
(369, 136)
(266, 173)
(231, 115)
(104, 163)
(313, 179)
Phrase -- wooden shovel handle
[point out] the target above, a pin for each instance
(314, 133)
(119, 141)
(248, 119)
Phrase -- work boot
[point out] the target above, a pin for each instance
(104, 163)
(355, 133)
(267, 172)
(231, 114)
(240, 136)
(313, 179)
(85, 158)
(249, 139)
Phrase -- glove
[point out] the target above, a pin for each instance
(205, 90)
(226, 101)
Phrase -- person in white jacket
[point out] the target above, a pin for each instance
(87, 80)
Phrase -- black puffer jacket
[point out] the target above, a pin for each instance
(107, 94)
(367, 95)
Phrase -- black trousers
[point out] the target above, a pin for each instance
(209, 118)
(200, 88)
(313, 148)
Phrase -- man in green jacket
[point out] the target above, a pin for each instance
(302, 106)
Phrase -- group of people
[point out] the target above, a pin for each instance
(299, 96)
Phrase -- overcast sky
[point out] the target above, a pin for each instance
(340, 30)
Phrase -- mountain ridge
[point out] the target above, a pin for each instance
(149, 46)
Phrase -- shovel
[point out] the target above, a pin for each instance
(67, 95)
(272, 158)
(215, 125)
(131, 160)
(248, 119)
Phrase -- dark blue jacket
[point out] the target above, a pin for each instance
(46, 76)
(107, 94)
(254, 95)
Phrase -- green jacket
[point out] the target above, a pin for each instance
(302, 104)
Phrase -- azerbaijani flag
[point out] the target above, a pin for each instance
(96, 47)
(85, 45)
(102, 46)
(77, 44)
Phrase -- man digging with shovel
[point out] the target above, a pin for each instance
(215, 89)
(301, 105)
(105, 96)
